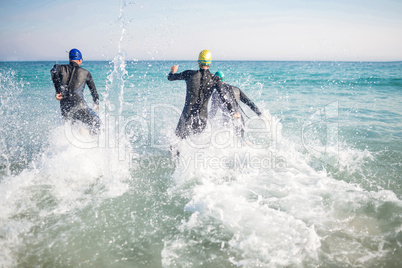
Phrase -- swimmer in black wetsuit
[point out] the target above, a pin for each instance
(200, 85)
(69, 81)
(234, 96)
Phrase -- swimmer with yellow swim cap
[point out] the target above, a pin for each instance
(205, 58)
(200, 86)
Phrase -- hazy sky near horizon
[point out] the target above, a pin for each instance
(351, 30)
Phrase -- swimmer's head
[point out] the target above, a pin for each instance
(205, 57)
(221, 75)
(75, 54)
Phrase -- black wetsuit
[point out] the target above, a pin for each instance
(234, 96)
(70, 80)
(200, 85)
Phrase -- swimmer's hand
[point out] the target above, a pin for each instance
(95, 107)
(236, 115)
(265, 119)
(174, 68)
(58, 96)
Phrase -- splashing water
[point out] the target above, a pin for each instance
(307, 196)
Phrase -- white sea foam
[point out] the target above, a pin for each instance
(276, 215)
(272, 202)
(68, 177)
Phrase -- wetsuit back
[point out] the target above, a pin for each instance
(70, 81)
(200, 85)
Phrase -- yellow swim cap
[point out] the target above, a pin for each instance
(205, 57)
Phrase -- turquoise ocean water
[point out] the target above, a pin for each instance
(317, 185)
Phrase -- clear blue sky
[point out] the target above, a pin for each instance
(357, 30)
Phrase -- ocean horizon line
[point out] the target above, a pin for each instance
(153, 60)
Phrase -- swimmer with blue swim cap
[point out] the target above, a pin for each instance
(69, 81)
(234, 96)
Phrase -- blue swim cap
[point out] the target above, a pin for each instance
(75, 54)
(221, 75)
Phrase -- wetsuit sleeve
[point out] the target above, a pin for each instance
(55, 73)
(91, 85)
(249, 103)
(229, 106)
(177, 76)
